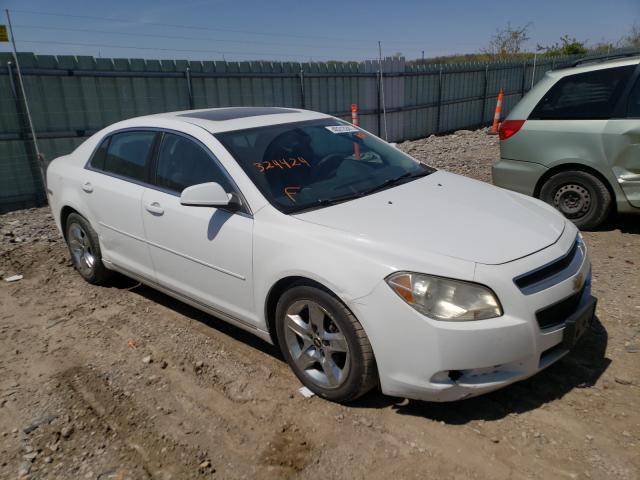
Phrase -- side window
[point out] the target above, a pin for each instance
(183, 163)
(128, 154)
(590, 95)
(633, 109)
(97, 161)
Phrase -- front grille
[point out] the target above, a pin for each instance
(552, 273)
(558, 312)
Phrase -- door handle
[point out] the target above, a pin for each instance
(155, 208)
(87, 187)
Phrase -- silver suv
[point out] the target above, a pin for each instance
(574, 141)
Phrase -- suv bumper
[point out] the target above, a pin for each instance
(516, 175)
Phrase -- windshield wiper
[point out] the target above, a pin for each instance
(396, 180)
(325, 202)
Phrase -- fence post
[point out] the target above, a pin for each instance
(187, 75)
(439, 100)
(484, 96)
(524, 78)
(379, 108)
(39, 195)
(302, 97)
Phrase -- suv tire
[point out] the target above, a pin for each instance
(582, 197)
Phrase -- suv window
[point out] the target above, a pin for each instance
(183, 163)
(633, 109)
(127, 154)
(590, 95)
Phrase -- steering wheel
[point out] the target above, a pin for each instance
(327, 164)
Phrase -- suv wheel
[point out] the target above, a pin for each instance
(324, 344)
(580, 196)
(84, 247)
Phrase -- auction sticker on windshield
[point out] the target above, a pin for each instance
(342, 129)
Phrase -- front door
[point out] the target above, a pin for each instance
(204, 253)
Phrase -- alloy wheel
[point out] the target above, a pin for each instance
(81, 250)
(316, 344)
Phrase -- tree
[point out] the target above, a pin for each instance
(507, 42)
(566, 46)
(633, 39)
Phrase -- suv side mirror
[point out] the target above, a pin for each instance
(209, 194)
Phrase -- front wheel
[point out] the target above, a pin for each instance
(324, 344)
(580, 196)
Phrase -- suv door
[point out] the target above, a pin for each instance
(622, 145)
(203, 253)
(112, 188)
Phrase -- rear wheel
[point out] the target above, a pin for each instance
(84, 247)
(325, 344)
(582, 197)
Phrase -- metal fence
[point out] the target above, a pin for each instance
(71, 97)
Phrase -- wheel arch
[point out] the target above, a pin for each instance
(565, 167)
(64, 215)
(280, 287)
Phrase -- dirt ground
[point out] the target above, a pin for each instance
(120, 382)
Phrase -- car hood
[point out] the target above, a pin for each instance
(449, 215)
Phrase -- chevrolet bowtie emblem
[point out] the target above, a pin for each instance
(578, 282)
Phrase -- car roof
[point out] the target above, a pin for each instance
(216, 120)
(597, 64)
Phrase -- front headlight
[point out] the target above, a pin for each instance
(445, 299)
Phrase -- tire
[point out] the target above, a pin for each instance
(582, 197)
(84, 247)
(314, 343)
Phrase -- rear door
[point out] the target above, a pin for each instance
(112, 186)
(622, 144)
(204, 253)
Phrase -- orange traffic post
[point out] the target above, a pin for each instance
(356, 122)
(496, 116)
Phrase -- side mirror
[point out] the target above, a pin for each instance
(209, 194)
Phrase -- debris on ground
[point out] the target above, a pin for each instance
(67, 356)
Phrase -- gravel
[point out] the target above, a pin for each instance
(218, 403)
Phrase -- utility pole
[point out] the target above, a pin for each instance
(422, 57)
(24, 93)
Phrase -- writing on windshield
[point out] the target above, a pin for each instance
(303, 165)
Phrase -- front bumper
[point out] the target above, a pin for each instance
(416, 355)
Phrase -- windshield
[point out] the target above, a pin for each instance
(304, 165)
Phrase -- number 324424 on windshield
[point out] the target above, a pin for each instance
(283, 163)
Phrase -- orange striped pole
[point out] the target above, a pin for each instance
(496, 116)
(356, 122)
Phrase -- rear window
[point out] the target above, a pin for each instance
(583, 96)
(128, 154)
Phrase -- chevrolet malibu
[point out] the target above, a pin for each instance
(363, 265)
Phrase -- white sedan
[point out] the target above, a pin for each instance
(365, 266)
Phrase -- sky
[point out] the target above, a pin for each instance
(301, 30)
